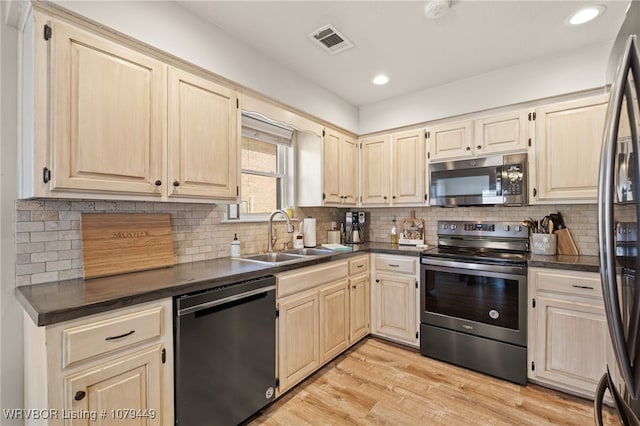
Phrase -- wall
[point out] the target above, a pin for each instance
(581, 219)
(577, 71)
(173, 29)
(49, 246)
(11, 383)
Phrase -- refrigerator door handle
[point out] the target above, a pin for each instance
(627, 417)
(606, 226)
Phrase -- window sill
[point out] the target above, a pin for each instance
(255, 219)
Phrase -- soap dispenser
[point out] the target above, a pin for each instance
(394, 232)
(235, 246)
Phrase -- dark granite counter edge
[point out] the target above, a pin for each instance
(199, 276)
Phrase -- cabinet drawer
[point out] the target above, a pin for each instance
(394, 264)
(576, 283)
(100, 337)
(306, 278)
(359, 265)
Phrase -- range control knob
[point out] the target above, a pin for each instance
(518, 228)
(445, 226)
(507, 228)
(453, 226)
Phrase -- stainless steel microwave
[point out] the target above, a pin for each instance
(500, 179)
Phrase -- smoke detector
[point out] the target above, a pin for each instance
(330, 39)
(435, 9)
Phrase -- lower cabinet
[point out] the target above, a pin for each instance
(569, 346)
(105, 369)
(322, 310)
(395, 288)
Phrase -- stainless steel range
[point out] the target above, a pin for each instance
(473, 297)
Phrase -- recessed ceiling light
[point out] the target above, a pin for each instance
(585, 15)
(380, 80)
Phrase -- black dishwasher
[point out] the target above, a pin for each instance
(225, 352)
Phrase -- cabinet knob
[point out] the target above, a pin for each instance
(377, 281)
(385, 197)
(176, 183)
(79, 396)
(158, 182)
(479, 147)
(394, 197)
(353, 286)
(468, 148)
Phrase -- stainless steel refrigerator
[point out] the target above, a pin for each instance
(618, 216)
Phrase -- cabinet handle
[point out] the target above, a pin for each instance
(176, 183)
(79, 396)
(468, 148)
(586, 287)
(158, 182)
(535, 192)
(120, 336)
(393, 265)
(360, 266)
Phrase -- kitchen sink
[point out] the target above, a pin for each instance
(276, 257)
(285, 257)
(309, 251)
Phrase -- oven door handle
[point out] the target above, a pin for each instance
(502, 269)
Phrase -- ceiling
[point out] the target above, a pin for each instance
(396, 38)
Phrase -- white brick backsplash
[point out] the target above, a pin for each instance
(44, 215)
(22, 237)
(57, 205)
(69, 254)
(57, 245)
(44, 236)
(29, 247)
(44, 277)
(29, 226)
(59, 265)
(45, 256)
(58, 225)
(29, 268)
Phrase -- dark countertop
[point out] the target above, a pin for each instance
(575, 263)
(54, 302)
(51, 303)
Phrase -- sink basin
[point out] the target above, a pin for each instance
(275, 258)
(309, 251)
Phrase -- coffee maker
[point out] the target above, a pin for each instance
(355, 227)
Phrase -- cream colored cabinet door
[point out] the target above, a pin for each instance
(106, 115)
(396, 307)
(334, 319)
(408, 168)
(340, 169)
(349, 171)
(501, 133)
(298, 338)
(568, 142)
(450, 140)
(202, 138)
(375, 170)
(571, 343)
(360, 307)
(331, 168)
(127, 391)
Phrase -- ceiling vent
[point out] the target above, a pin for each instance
(330, 39)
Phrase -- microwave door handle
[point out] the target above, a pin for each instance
(606, 220)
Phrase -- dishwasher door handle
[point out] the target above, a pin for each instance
(218, 302)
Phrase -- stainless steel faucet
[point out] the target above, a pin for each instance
(289, 226)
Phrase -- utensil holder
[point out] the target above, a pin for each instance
(545, 244)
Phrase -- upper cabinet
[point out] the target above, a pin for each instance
(495, 134)
(202, 138)
(104, 120)
(106, 115)
(450, 140)
(393, 169)
(501, 133)
(567, 146)
(340, 169)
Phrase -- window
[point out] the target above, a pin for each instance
(266, 172)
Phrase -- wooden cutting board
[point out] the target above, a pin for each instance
(566, 244)
(117, 243)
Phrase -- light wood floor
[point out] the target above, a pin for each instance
(379, 383)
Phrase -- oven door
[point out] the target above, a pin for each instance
(484, 300)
